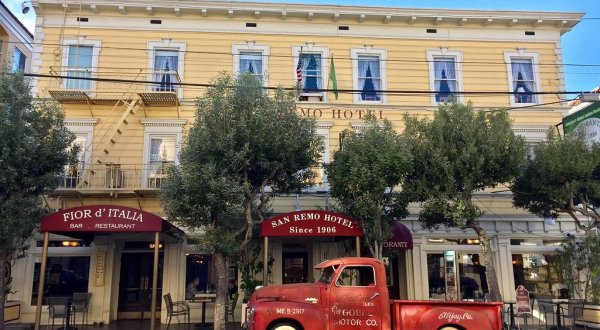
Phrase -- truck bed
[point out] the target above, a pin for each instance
(433, 314)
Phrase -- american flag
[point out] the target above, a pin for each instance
(299, 70)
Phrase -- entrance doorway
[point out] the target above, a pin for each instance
(135, 285)
(295, 267)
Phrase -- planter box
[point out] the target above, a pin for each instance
(12, 311)
(591, 316)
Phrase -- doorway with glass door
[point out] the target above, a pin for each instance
(135, 285)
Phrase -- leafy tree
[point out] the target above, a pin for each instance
(244, 148)
(579, 266)
(563, 176)
(363, 176)
(34, 150)
(457, 153)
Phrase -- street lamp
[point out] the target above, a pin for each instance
(589, 97)
(25, 7)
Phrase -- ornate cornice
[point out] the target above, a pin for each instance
(163, 122)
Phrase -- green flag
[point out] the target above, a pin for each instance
(333, 78)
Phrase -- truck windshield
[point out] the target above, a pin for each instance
(326, 275)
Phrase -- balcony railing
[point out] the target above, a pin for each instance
(114, 177)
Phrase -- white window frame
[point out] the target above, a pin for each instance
(167, 44)
(457, 55)
(312, 49)
(156, 128)
(81, 41)
(521, 54)
(355, 52)
(264, 50)
(83, 126)
(322, 130)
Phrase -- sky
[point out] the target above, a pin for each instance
(581, 46)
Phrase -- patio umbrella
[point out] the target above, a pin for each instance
(165, 80)
(311, 85)
(444, 92)
(368, 91)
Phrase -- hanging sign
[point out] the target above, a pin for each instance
(310, 223)
(101, 218)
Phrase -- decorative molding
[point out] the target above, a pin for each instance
(163, 122)
(324, 124)
(81, 121)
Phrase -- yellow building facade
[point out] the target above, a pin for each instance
(128, 76)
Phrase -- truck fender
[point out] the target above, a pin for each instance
(466, 319)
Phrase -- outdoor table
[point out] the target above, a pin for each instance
(559, 325)
(204, 298)
(68, 316)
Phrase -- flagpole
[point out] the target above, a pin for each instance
(299, 74)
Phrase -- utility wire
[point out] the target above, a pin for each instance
(351, 91)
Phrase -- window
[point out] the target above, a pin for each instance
(64, 276)
(166, 60)
(356, 276)
(369, 74)
(444, 280)
(445, 72)
(79, 65)
(321, 178)
(251, 58)
(311, 67)
(83, 128)
(165, 70)
(19, 60)
(80, 60)
(161, 148)
(538, 273)
(523, 77)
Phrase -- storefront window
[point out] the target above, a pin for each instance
(199, 266)
(64, 276)
(441, 270)
(538, 273)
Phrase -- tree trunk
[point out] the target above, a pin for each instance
(4, 272)
(222, 270)
(488, 262)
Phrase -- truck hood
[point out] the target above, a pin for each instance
(306, 293)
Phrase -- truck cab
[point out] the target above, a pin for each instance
(351, 293)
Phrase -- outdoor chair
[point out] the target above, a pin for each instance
(231, 303)
(547, 310)
(573, 312)
(80, 304)
(175, 309)
(57, 309)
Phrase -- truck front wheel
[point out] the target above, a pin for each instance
(284, 326)
(449, 327)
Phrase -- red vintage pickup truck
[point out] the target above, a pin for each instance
(352, 294)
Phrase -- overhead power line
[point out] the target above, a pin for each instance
(351, 91)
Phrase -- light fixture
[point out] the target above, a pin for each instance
(24, 7)
(160, 246)
(70, 243)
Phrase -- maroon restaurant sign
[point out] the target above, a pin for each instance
(401, 238)
(523, 301)
(310, 223)
(101, 218)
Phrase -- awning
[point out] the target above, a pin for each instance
(401, 238)
(92, 219)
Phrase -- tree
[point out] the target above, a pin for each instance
(578, 264)
(363, 176)
(34, 150)
(244, 148)
(563, 176)
(457, 153)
